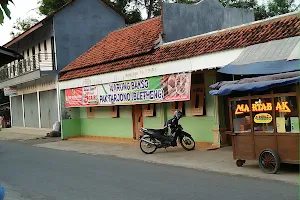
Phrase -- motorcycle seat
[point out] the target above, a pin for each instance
(156, 131)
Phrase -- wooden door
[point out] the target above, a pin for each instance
(137, 118)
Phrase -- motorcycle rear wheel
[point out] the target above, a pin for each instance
(187, 142)
(144, 145)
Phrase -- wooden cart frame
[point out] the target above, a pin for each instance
(269, 148)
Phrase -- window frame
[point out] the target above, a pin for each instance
(181, 106)
(45, 50)
(115, 111)
(90, 112)
(149, 110)
(200, 111)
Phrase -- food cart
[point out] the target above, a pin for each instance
(265, 126)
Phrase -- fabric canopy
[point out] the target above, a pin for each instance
(254, 86)
(261, 68)
(217, 85)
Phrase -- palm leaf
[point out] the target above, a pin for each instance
(1, 16)
(6, 10)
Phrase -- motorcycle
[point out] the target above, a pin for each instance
(152, 139)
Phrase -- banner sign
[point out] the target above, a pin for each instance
(73, 97)
(261, 107)
(148, 90)
(9, 91)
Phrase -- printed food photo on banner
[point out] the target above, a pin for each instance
(176, 87)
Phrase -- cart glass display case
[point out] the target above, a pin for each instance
(265, 127)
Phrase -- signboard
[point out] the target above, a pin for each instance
(280, 123)
(73, 97)
(263, 118)
(148, 90)
(10, 91)
(295, 125)
(90, 95)
(261, 107)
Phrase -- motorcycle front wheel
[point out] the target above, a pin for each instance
(187, 142)
(146, 147)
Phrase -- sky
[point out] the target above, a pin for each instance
(26, 8)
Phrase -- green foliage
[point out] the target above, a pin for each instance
(47, 7)
(270, 9)
(4, 9)
(279, 7)
(22, 25)
(125, 7)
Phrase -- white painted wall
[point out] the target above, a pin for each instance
(45, 61)
(207, 61)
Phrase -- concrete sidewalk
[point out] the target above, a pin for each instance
(21, 133)
(220, 160)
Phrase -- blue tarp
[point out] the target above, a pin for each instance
(255, 86)
(261, 68)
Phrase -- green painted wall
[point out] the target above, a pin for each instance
(104, 125)
(157, 121)
(70, 127)
(198, 126)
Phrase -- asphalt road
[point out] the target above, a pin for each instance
(33, 173)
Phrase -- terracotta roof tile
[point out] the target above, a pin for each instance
(237, 37)
(126, 42)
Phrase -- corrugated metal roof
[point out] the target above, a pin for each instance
(270, 51)
(295, 55)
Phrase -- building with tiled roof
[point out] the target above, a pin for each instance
(102, 59)
(135, 77)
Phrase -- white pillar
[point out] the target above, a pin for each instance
(10, 111)
(23, 110)
(39, 108)
(58, 99)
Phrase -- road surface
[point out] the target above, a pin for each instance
(32, 173)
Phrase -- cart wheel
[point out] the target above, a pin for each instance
(240, 163)
(269, 161)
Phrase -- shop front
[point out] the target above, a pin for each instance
(120, 109)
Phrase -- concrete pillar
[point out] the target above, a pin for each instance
(23, 110)
(10, 111)
(58, 99)
(39, 108)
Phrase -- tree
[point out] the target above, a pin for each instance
(272, 8)
(131, 12)
(5, 9)
(279, 7)
(125, 7)
(22, 25)
(153, 7)
(47, 7)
